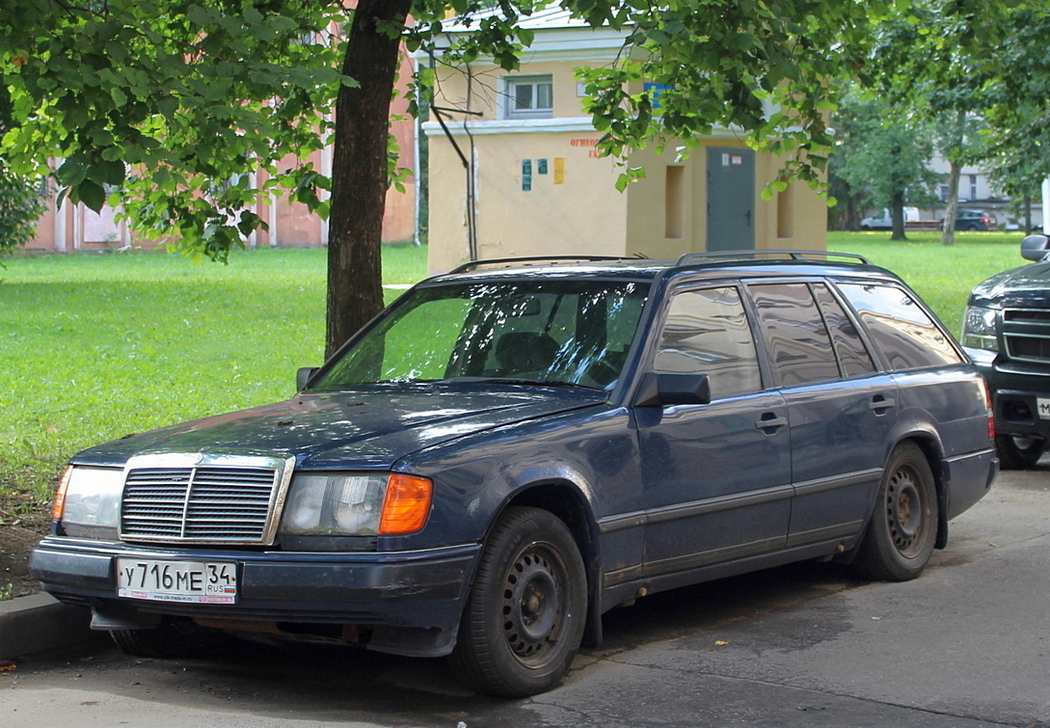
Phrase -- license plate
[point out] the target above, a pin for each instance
(201, 582)
(1043, 405)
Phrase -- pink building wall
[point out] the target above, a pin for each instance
(75, 227)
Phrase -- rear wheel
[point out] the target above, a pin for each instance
(524, 619)
(1019, 453)
(903, 527)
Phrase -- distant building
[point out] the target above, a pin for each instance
(514, 171)
(976, 192)
(69, 227)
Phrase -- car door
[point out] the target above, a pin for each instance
(716, 476)
(841, 409)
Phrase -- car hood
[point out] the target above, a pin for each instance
(347, 430)
(1027, 286)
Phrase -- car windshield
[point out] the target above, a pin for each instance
(549, 332)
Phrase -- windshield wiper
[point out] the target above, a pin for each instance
(536, 382)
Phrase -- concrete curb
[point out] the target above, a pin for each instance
(37, 623)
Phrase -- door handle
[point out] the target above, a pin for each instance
(880, 403)
(770, 421)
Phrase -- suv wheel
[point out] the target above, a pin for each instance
(1019, 453)
(903, 528)
(525, 616)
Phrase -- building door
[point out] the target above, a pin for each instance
(730, 198)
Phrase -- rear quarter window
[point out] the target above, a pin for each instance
(907, 336)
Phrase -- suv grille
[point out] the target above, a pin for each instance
(1027, 334)
(225, 499)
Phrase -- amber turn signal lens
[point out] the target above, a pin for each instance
(60, 495)
(407, 504)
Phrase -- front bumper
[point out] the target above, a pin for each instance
(1016, 391)
(1019, 413)
(411, 601)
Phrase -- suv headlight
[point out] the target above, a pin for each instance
(979, 328)
(356, 504)
(88, 501)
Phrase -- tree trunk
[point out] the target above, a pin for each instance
(951, 209)
(897, 216)
(359, 170)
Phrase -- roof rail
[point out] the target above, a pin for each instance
(474, 264)
(753, 255)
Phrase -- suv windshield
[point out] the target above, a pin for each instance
(574, 332)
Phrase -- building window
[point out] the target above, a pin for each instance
(674, 203)
(973, 187)
(529, 97)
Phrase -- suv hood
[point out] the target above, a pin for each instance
(1027, 286)
(348, 430)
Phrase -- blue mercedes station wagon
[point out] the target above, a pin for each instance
(514, 448)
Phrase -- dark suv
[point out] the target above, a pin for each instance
(516, 447)
(1006, 331)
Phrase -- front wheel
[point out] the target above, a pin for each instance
(524, 620)
(1019, 453)
(903, 528)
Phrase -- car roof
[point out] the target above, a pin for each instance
(713, 265)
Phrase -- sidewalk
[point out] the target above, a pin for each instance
(37, 623)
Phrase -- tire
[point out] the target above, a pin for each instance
(1019, 453)
(174, 638)
(525, 616)
(903, 528)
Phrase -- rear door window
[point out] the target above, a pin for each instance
(795, 334)
(854, 358)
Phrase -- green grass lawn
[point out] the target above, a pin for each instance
(96, 346)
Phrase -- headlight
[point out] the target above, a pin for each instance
(349, 504)
(979, 328)
(89, 499)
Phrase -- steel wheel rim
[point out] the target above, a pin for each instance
(533, 604)
(905, 512)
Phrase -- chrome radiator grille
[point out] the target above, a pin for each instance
(221, 500)
(1027, 334)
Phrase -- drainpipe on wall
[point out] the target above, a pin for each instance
(326, 169)
(78, 225)
(1046, 205)
(272, 222)
(60, 225)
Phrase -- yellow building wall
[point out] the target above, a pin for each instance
(796, 218)
(579, 210)
(573, 208)
(482, 90)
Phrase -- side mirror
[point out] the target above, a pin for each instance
(1035, 247)
(660, 390)
(302, 377)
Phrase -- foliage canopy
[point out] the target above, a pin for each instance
(167, 105)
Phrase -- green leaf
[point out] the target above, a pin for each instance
(91, 194)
